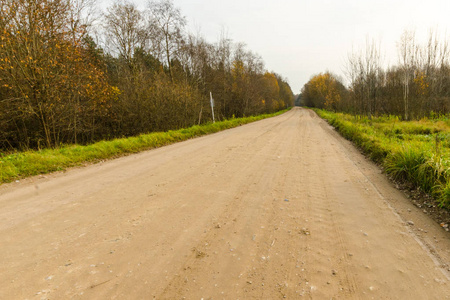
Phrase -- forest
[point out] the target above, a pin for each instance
(69, 75)
(417, 86)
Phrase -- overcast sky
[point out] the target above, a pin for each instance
(300, 38)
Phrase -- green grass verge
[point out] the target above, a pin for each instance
(23, 164)
(417, 152)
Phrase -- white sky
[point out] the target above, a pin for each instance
(300, 38)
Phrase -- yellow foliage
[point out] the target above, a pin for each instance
(238, 68)
(422, 84)
(324, 86)
(272, 82)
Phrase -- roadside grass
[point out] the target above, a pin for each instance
(417, 152)
(18, 165)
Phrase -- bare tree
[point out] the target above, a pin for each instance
(364, 70)
(168, 24)
(82, 13)
(125, 28)
(407, 56)
(372, 69)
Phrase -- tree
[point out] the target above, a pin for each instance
(365, 75)
(324, 90)
(58, 86)
(45, 70)
(407, 56)
(271, 92)
(286, 95)
(126, 29)
(168, 25)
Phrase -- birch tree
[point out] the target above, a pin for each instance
(407, 51)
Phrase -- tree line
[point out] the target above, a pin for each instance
(59, 84)
(418, 86)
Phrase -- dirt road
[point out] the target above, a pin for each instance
(280, 208)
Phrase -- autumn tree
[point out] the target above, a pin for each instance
(44, 66)
(271, 91)
(286, 94)
(323, 91)
(57, 85)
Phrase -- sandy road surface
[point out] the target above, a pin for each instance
(280, 208)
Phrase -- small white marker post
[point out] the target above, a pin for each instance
(212, 106)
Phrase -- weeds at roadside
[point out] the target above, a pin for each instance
(417, 152)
